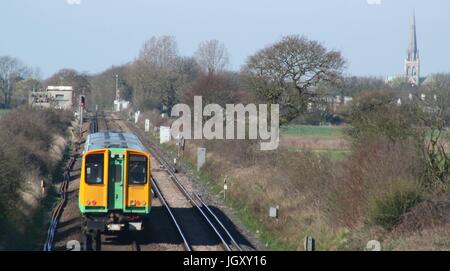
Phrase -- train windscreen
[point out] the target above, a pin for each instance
(94, 169)
(137, 169)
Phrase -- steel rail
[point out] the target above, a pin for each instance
(156, 189)
(181, 187)
(218, 221)
(56, 214)
(159, 156)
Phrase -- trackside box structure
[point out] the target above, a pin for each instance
(58, 97)
(115, 183)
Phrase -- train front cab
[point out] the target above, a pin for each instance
(114, 189)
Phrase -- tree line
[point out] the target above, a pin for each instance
(292, 72)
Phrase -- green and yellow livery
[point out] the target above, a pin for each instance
(115, 183)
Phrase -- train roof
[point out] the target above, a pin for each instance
(112, 139)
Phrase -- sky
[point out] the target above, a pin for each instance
(93, 35)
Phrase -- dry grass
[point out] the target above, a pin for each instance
(259, 180)
(310, 143)
(335, 201)
(330, 200)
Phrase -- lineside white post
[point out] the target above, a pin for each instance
(201, 158)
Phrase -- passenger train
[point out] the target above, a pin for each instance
(115, 184)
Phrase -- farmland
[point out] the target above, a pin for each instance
(3, 112)
(328, 141)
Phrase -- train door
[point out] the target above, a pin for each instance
(115, 183)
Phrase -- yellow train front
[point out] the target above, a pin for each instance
(115, 184)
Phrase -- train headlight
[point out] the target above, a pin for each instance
(132, 202)
(88, 202)
(143, 203)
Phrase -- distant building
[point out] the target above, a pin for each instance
(120, 105)
(329, 103)
(412, 61)
(58, 97)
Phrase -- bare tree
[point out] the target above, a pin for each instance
(12, 70)
(159, 75)
(284, 72)
(435, 119)
(79, 81)
(354, 85)
(160, 51)
(212, 56)
(104, 87)
(219, 88)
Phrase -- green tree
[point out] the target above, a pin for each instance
(376, 115)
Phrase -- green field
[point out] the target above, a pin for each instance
(4, 111)
(325, 132)
(321, 133)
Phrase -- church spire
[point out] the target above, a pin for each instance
(412, 62)
(413, 53)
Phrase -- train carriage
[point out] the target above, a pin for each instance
(115, 184)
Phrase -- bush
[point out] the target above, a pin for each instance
(374, 115)
(31, 133)
(387, 208)
(372, 167)
(26, 136)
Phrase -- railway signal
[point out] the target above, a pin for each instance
(82, 101)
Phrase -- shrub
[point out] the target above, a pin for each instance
(375, 114)
(25, 139)
(372, 167)
(387, 208)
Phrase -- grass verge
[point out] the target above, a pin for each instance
(242, 212)
(323, 132)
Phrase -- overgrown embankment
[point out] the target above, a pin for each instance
(381, 190)
(32, 143)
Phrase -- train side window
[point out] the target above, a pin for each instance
(94, 169)
(137, 169)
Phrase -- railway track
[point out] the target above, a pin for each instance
(48, 246)
(200, 219)
(157, 191)
(135, 245)
(126, 241)
(57, 211)
(228, 242)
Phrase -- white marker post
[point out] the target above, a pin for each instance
(147, 125)
(201, 158)
(164, 134)
(225, 188)
(136, 116)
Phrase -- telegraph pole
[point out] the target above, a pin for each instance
(117, 88)
(82, 103)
